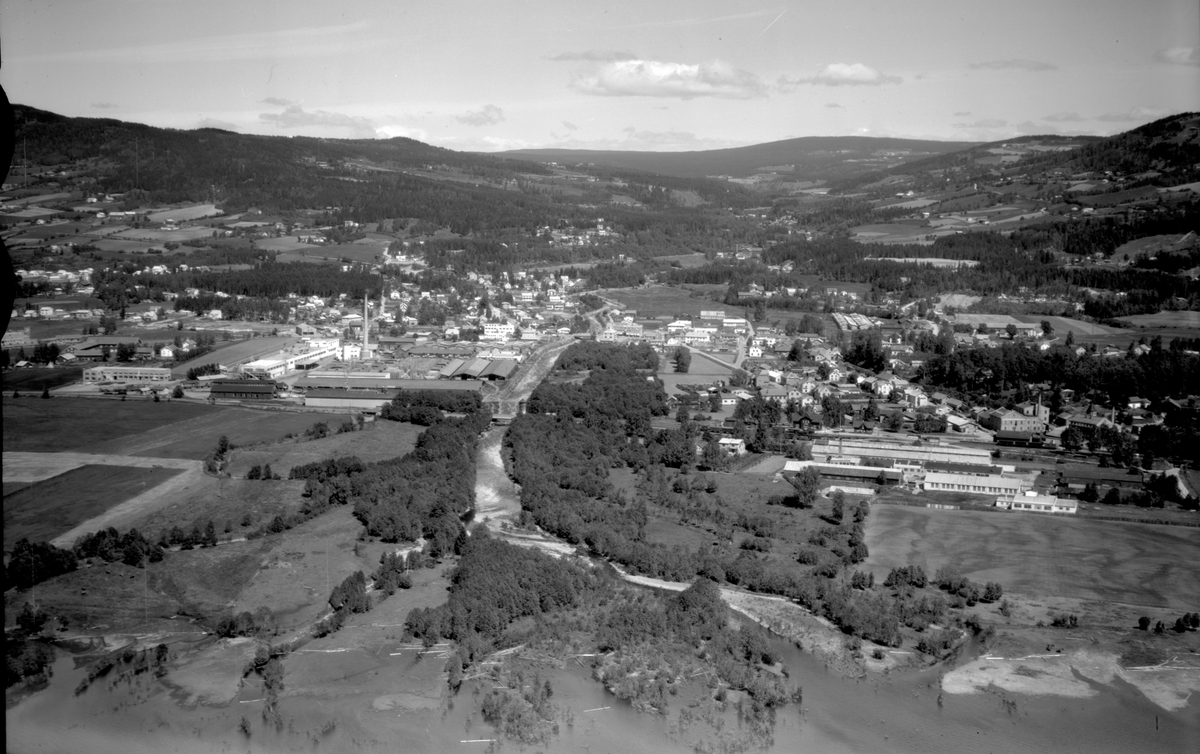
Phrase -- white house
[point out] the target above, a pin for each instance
(734, 446)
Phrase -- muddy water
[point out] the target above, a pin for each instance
(902, 714)
(899, 713)
(496, 496)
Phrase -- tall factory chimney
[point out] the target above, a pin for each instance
(366, 324)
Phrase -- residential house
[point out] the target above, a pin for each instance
(734, 446)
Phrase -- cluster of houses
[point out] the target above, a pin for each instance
(714, 330)
(572, 236)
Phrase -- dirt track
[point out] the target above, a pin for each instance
(33, 467)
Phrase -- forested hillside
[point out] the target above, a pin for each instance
(1168, 147)
(807, 158)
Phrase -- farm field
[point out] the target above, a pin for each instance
(1064, 325)
(194, 212)
(701, 372)
(31, 424)
(1038, 555)
(302, 257)
(162, 236)
(46, 509)
(685, 260)
(170, 429)
(283, 243)
(198, 436)
(1188, 319)
(661, 301)
(381, 440)
(32, 380)
(114, 244)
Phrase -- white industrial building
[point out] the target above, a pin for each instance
(990, 484)
(126, 374)
(1031, 501)
(280, 364)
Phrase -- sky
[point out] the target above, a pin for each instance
(664, 75)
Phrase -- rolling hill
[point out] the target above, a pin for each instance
(1163, 153)
(806, 158)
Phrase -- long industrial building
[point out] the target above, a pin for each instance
(992, 484)
(901, 453)
(369, 401)
(837, 472)
(380, 381)
(277, 365)
(126, 374)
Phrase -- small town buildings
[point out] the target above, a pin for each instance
(1007, 420)
(991, 484)
(734, 446)
(259, 390)
(367, 401)
(1031, 501)
(121, 373)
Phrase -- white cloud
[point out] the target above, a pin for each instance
(984, 123)
(392, 131)
(1133, 115)
(1014, 64)
(488, 115)
(295, 116)
(840, 74)
(303, 42)
(594, 56)
(655, 78)
(1178, 56)
(1063, 117)
(278, 101)
(214, 123)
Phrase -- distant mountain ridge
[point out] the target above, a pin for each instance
(811, 157)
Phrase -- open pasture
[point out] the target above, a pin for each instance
(62, 424)
(1187, 319)
(196, 437)
(380, 441)
(660, 301)
(43, 510)
(684, 260)
(32, 380)
(163, 236)
(238, 504)
(302, 256)
(283, 243)
(1041, 555)
(116, 244)
(703, 371)
(194, 212)
(1064, 325)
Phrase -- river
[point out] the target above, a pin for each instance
(895, 713)
(901, 712)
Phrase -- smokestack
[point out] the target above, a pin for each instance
(366, 324)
